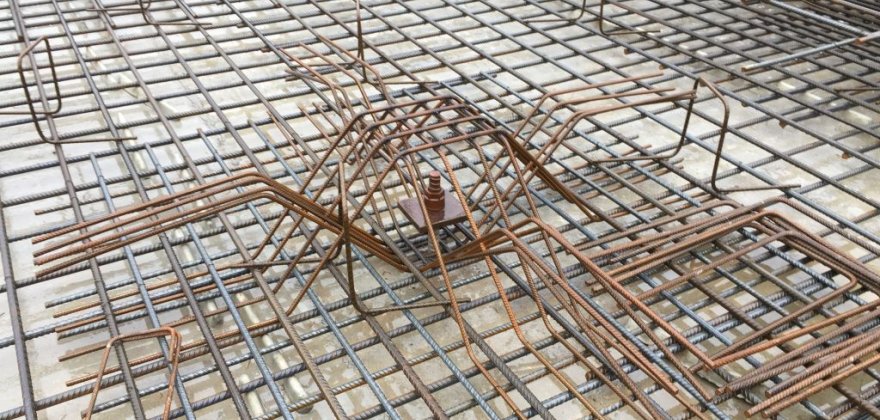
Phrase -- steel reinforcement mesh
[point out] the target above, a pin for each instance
(676, 285)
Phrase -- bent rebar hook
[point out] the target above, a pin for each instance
(28, 52)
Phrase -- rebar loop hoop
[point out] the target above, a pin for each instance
(144, 8)
(316, 73)
(28, 52)
(571, 122)
(174, 349)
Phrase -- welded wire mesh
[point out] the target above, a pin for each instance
(182, 94)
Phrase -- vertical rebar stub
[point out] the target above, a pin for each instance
(443, 207)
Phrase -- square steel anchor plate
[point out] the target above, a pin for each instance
(453, 212)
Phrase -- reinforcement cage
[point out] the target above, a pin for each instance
(619, 110)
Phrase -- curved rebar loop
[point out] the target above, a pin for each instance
(348, 60)
(43, 97)
(377, 82)
(571, 122)
(378, 146)
(691, 97)
(540, 125)
(174, 349)
(345, 107)
(566, 127)
(144, 9)
(368, 73)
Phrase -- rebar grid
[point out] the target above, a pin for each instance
(185, 90)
